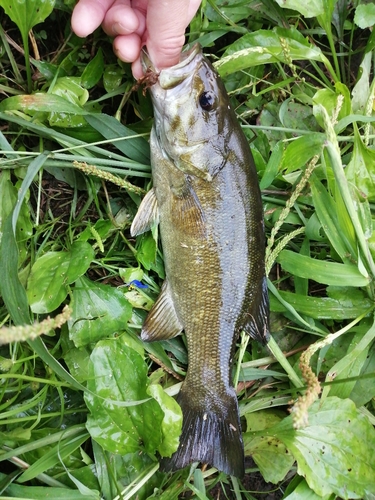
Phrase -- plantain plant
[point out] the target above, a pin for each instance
(86, 407)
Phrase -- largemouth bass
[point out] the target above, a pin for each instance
(206, 198)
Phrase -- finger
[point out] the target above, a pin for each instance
(88, 15)
(122, 19)
(127, 47)
(137, 69)
(166, 23)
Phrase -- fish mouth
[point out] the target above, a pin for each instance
(173, 76)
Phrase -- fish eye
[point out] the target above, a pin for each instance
(207, 100)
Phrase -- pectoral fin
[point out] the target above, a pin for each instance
(162, 322)
(187, 211)
(147, 215)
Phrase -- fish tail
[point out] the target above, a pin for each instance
(211, 435)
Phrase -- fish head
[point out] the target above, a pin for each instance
(192, 114)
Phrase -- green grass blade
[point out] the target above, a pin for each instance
(322, 271)
(137, 148)
(327, 212)
(342, 185)
(12, 291)
(292, 310)
(40, 348)
(52, 457)
(21, 492)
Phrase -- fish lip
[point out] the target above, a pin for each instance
(172, 76)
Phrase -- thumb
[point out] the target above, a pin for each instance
(166, 24)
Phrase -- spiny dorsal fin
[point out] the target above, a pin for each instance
(147, 215)
(162, 322)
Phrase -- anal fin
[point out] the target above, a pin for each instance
(147, 215)
(162, 322)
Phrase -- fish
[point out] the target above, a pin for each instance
(207, 202)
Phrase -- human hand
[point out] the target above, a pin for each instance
(158, 24)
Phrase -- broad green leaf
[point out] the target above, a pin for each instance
(139, 299)
(93, 71)
(350, 365)
(329, 99)
(135, 148)
(322, 271)
(172, 422)
(129, 274)
(364, 389)
(264, 47)
(118, 373)
(51, 274)
(355, 304)
(269, 118)
(359, 171)
(361, 90)
(99, 311)
(297, 116)
(309, 8)
(37, 103)
(269, 453)
(300, 151)
(146, 250)
(303, 492)
(68, 88)
(77, 360)
(112, 77)
(364, 16)
(335, 451)
(235, 11)
(27, 13)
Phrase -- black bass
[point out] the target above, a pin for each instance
(206, 198)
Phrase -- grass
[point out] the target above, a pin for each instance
(74, 167)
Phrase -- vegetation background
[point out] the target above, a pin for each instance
(86, 408)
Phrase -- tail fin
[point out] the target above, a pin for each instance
(209, 435)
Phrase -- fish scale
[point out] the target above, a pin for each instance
(206, 198)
